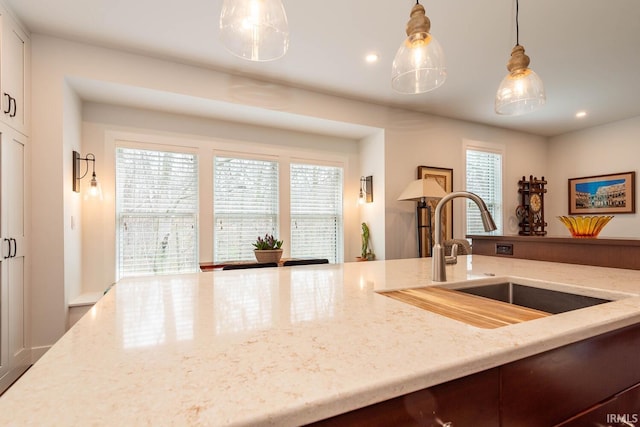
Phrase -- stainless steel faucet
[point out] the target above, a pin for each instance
(439, 265)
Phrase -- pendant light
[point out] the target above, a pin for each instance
(521, 91)
(419, 64)
(256, 30)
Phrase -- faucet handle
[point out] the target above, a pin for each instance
(453, 259)
(454, 250)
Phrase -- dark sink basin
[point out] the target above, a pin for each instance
(547, 300)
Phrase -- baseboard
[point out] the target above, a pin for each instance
(38, 352)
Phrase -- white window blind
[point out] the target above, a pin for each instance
(316, 212)
(484, 178)
(156, 209)
(245, 205)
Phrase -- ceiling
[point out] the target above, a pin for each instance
(584, 50)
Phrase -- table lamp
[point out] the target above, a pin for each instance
(420, 190)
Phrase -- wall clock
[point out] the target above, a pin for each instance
(530, 213)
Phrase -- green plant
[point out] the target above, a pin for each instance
(267, 243)
(366, 252)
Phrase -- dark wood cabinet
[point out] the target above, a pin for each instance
(600, 252)
(591, 382)
(551, 387)
(468, 401)
(623, 410)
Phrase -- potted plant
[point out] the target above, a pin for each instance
(366, 254)
(268, 249)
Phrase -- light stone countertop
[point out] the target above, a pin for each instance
(290, 345)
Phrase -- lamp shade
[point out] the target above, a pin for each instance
(256, 30)
(423, 188)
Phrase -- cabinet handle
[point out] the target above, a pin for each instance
(9, 242)
(13, 110)
(8, 110)
(15, 248)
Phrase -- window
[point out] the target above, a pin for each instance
(156, 212)
(316, 212)
(484, 178)
(245, 205)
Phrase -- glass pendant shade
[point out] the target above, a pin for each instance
(256, 30)
(520, 93)
(94, 189)
(419, 64)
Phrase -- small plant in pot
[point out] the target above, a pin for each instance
(268, 248)
(366, 254)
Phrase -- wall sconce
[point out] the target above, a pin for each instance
(94, 189)
(366, 190)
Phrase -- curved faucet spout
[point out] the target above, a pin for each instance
(439, 273)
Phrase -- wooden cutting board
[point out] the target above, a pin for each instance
(471, 309)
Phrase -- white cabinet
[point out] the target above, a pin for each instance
(15, 353)
(14, 74)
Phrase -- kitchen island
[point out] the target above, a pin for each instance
(289, 346)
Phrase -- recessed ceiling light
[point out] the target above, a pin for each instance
(372, 57)
(581, 114)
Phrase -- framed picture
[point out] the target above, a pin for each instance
(444, 177)
(603, 194)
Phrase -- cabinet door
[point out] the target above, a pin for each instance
(4, 315)
(548, 388)
(13, 74)
(15, 351)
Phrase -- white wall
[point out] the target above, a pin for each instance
(438, 142)
(48, 160)
(601, 150)
(372, 163)
(108, 76)
(72, 141)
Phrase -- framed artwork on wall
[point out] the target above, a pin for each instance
(603, 194)
(444, 177)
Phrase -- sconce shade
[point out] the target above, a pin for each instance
(419, 64)
(521, 91)
(95, 189)
(256, 30)
(423, 188)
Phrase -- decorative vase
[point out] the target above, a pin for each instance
(268, 255)
(585, 226)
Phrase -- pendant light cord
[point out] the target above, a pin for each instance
(517, 26)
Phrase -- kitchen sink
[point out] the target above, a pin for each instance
(547, 300)
(502, 302)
